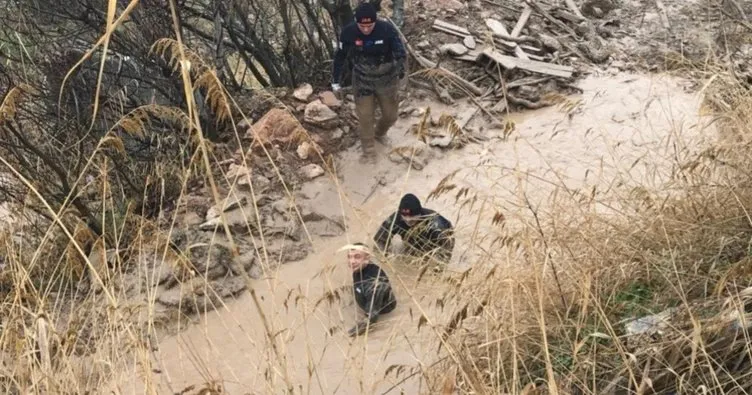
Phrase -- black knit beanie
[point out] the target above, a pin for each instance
(366, 13)
(410, 205)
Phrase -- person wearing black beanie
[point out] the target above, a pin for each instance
(423, 231)
(375, 49)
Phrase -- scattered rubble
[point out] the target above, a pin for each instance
(525, 43)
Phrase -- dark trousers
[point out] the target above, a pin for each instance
(365, 107)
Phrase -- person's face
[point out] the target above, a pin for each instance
(357, 259)
(410, 220)
(366, 28)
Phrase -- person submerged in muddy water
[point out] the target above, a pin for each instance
(378, 56)
(424, 232)
(371, 287)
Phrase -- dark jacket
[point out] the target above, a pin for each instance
(372, 284)
(431, 233)
(377, 58)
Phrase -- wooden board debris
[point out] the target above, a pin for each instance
(524, 17)
(438, 24)
(449, 31)
(510, 62)
(498, 29)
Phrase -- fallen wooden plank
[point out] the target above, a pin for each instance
(522, 21)
(499, 29)
(510, 62)
(506, 62)
(447, 25)
(449, 31)
(572, 6)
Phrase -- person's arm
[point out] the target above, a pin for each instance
(385, 233)
(398, 48)
(442, 233)
(340, 57)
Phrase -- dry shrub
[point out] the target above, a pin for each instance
(683, 250)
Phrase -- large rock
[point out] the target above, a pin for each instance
(329, 99)
(318, 113)
(455, 49)
(277, 126)
(198, 295)
(303, 92)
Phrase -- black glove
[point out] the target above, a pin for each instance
(402, 71)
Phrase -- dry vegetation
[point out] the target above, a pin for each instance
(554, 324)
(560, 323)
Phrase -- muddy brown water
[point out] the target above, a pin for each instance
(596, 140)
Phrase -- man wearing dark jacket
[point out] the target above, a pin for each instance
(378, 60)
(371, 287)
(424, 232)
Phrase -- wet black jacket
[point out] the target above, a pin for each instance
(372, 284)
(431, 233)
(382, 46)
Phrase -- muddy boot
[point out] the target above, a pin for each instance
(384, 140)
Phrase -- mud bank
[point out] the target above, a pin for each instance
(618, 134)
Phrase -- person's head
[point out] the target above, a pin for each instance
(365, 17)
(358, 255)
(410, 209)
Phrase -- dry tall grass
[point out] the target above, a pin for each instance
(555, 319)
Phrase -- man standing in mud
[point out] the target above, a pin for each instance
(371, 287)
(424, 232)
(378, 60)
